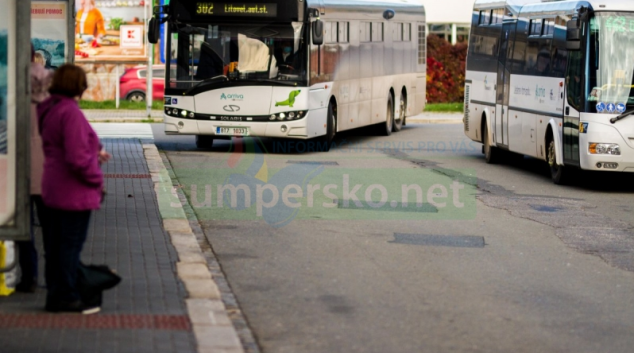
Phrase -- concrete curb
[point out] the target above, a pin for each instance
(212, 327)
(125, 120)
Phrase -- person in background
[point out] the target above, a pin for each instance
(89, 20)
(40, 81)
(72, 186)
(39, 59)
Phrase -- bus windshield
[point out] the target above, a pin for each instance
(611, 62)
(237, 52)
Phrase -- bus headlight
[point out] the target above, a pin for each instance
(289, 115)
(604, 148)
(184, 113)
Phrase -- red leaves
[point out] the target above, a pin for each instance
(445, 70)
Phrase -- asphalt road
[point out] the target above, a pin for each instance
(496, 258)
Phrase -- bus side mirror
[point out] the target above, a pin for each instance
(153, 30)
(573, 34)
(318, 32)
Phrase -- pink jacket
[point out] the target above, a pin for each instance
(72, 177)
(40, 81)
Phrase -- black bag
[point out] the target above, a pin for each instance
(92, 280)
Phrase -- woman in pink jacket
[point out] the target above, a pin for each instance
(72, 186)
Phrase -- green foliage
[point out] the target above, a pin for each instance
(445, 70)
(123, 104)
(115, 23)
(444, 107)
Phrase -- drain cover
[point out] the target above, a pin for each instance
(456, 241)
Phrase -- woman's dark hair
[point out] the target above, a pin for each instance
(69, 80)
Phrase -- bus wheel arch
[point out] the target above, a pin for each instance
(385, 128)
(491, 153)
(558, 172)
(331, 126)
(483, 126)
(399, 121)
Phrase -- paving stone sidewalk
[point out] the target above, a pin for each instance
(147, 311)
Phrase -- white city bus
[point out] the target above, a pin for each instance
(299, 69)
(553, 80)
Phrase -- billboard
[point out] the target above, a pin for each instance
(111, 31)
(7, 112)
(49, 32)
(15, 53)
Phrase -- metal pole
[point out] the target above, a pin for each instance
(149, 77)
(117, 85)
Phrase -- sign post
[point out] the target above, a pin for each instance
(149, 80)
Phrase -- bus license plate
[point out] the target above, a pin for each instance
(232, 131)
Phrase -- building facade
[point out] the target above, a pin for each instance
(449, 19)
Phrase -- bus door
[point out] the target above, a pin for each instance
(421, 66)
(572, 105)
(503, 80)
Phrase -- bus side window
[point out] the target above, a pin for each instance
(519, 52)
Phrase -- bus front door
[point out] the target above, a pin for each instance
(572, 126)
(502, 87)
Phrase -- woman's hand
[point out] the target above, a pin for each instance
(104, 156)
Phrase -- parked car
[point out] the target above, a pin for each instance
(133, 83)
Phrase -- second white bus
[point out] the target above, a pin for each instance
(553, 80)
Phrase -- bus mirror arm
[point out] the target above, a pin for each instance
(153, 30)
(318, 32)
(573, 34)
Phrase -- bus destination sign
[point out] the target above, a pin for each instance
(236, 9)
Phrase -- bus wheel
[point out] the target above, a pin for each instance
(558, 173)
(204, 141)
(331, 129)
(400, 119)
(491, 154)
(385, 129)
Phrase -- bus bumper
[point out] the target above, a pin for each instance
(605, 133)
(313, 125)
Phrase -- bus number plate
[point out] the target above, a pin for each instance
(232, 131)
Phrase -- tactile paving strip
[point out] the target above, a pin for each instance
(78, 321)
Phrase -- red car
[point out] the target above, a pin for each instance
(133, 83)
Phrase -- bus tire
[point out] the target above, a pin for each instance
(385, 129)
(558, 173)
(400, 120)
(331, 129)
(204, 141)
(491, 154)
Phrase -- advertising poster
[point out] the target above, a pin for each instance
(7, 111)
(111, 31)
(48, 32)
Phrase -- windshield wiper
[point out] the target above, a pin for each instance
(622, 116)
(288, 83)
(206, 81)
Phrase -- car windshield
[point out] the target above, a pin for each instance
(611, 62)
(268, 52)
